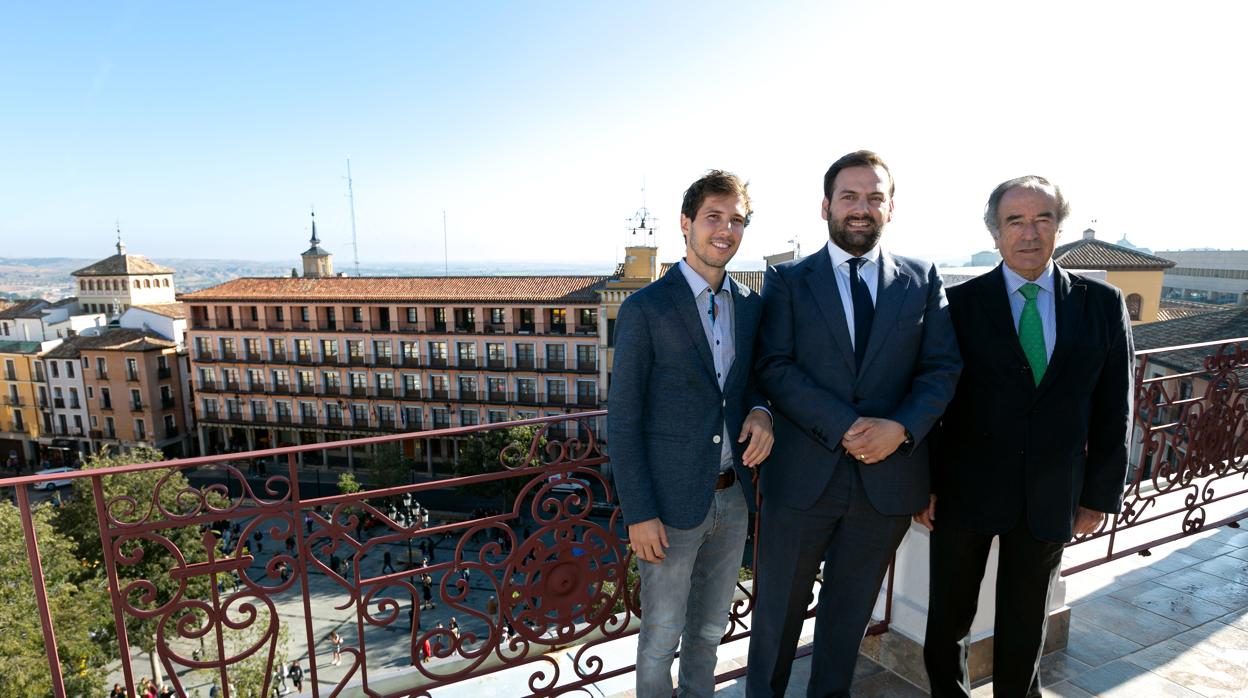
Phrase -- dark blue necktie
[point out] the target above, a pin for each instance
(864, 309)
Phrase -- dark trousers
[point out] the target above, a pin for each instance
(1025, 572)
(855, 544)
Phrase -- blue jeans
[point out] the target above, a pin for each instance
(685, 599)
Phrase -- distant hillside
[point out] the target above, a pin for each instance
(49, 277)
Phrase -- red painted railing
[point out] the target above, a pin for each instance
(552, 559)
(1189, 452)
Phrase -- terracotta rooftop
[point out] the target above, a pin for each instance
(1097, 254)
(1173, 310)
(122, 264)
(1205, 327)
(176, 311)
(418, 289)
(116, 338)
(30, 308)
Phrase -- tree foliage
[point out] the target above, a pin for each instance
(79, 605)
(481, 453)
(77, 521)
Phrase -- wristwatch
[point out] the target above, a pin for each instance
(909, 439)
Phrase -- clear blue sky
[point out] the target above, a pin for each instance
(209, 130)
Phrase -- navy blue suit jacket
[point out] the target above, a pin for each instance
(1010, 449)
(806, 368)
(666, 411)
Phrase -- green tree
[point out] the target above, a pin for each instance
(77, 521)
(247, 676)
(347, 484)
(79, 608)
(481, 454)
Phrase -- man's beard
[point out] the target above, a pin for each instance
(855, 242)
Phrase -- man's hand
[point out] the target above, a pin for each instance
(872, 439)
(1088, 520)
(648, 539)
(756, 428)
(927, 517)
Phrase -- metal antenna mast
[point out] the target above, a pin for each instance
(355, 249)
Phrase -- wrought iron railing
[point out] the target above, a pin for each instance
(1188, 468)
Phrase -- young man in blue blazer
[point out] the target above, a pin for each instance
(685, 427)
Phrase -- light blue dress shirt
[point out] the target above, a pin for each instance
(1045, 302)
(869, 272)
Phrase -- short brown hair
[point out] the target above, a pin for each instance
(715, 183)
(858, 158)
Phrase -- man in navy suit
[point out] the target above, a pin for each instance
(857, 355)
(685, 426)
(1033, 447)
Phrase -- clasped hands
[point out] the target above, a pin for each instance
(872, 439)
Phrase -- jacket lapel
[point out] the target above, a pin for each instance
(681, 297)
(1068, 297)
(821, 280)
(889, 300)
(745, 316)
(996, 305)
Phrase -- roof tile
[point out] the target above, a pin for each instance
(501, 289)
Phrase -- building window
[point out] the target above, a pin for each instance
(303, 313)
(132, 369)
(439, 319)
(588, 318)
(136, 400)
(56, 372)
(497, 416)
(469, 418)
(1134, 302)
(140, 430)
(411, 316)
(69, 369)
(106, 399)
(279, 313)
(329, 350)
(357, 314)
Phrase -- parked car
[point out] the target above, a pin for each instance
(52, 484)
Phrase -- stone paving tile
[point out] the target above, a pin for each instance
(1130, 621)
(1237, 618)
(1064, 689)
(1203, 672)
(1122, 679)
(1058, 667)
(1226, 567)
(1205, 586)
(886, 685)
(1173, 604)
(1217, 637)
(1240, 553)
(1094, 645)
(1239, 540)
(1208, 549)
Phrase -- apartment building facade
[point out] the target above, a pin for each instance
(63, 403)
(21, 377)
(115, 283)
(282, 361)
(133, 384)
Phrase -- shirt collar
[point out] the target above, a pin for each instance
(696, 282)
(840, 256)
(1013, 280)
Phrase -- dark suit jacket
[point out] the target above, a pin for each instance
(1009, 448)
(806, 368)
(667, 412)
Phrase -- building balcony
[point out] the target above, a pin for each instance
(526, 328)
(357, 359)
(1172, 623)
(106, 406)
(307, 390)
(496, 396)
(587, 400)
(385, 392)
(74, 405)
(466, 327)
(525, 363)
(277, 357)
(171, 433)
(45, 405)
(382, 361)
(438, 394)
(469, 396)
(136, 407)
(466, 362)
(231, 386)
(280, 388)
(229, 355)
(331, 390)
(359, 391)
(206, 386)
(386, 424)
(332, 360)
(497, 364)
(204, 355)
(304, 359)
(308, 420)
(57, 402)
(437, 362)
(495, 328)
(587, 329)
(281, 418)
(587, 366)
(333, 421)
(411, 393)
(163, 372)
(260, 417)
(166, 403)
(234, 416)
(557, 328)
(555, 364)
(411, 362)
(556, 398)
(95, 434)
(253, 357)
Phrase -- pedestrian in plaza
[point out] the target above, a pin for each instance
(290, 547)
(426, 650)
(453, 626)
(1033, 448)
(259, 542)
(335, 564)
(336, 640)
(491, 606)
(426, 588)
(387, 562)
(683, 407)
(284, 571)
(295, 674)
(307, 522)
(117, 692)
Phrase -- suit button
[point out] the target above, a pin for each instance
(715, 439)
(723, 403)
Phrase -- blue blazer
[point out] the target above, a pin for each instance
(666, 412)
(806, 368)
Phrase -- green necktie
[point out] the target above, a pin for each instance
(1031, 332)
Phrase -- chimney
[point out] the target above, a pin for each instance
(1089, 234)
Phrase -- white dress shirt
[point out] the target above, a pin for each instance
(869, 272)
(1045, 302)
